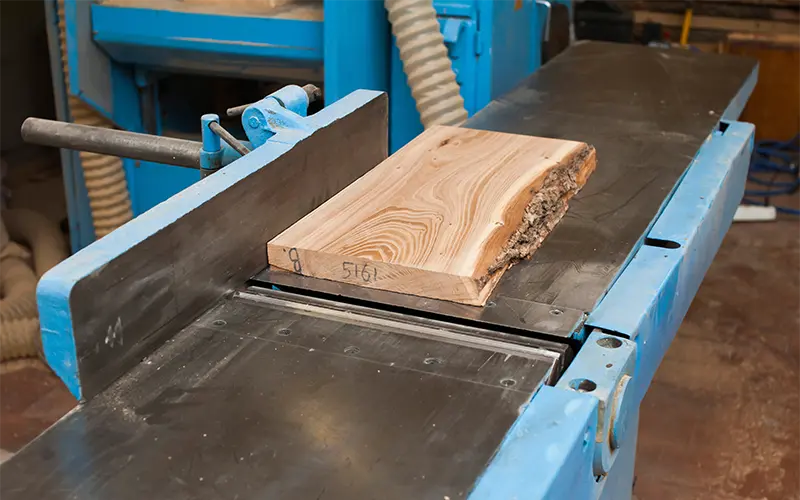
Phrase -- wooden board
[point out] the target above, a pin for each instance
(444, 217)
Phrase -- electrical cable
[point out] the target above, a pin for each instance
(774, 158)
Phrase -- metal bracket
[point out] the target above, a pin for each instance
(211, 153)
(279, 111)
(603, 369)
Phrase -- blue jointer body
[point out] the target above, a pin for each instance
(576, 439)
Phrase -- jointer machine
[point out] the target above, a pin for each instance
(202, 373)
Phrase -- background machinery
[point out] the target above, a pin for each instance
(154, 66)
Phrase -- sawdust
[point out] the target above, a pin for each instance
(545, 210)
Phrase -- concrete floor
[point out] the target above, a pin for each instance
(721, 419)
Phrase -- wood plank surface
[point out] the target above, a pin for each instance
(444, 217)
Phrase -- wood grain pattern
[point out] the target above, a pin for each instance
(444, 217)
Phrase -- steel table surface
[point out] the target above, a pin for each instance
(647, 112)
(262, 397)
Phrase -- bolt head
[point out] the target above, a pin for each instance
(253, 122)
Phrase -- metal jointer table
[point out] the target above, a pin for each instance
(203, 374)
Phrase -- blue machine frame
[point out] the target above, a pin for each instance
(112, 52)
(576, 439)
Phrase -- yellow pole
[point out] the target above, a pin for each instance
(687, 24)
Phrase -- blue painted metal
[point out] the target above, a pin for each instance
(293, 98)
(209, 43)
(646, 305)
(55, 287)
(649, 300)
(56, 324)
(282, 110)
(106, 86)
(356, 39)
(153, 183)
(516, 49)
(602, 369)
(211, 154)
(552, 450)
(548, 451)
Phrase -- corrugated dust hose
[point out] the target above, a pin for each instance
(425, 62)
(19, 322)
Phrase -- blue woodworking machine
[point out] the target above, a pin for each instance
(122, 57)
(203, 373)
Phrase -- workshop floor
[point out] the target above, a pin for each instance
(722, 417)
(721, 420)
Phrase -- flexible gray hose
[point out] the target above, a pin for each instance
(39, 234)
(19, 322)
(425, 62)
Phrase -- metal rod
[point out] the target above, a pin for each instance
(226, 136)
(237, 111)
(312, 91)
(145, 147)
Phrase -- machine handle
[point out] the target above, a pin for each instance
(229, 139)
(100, 140)
(547, 5)
(313, 92)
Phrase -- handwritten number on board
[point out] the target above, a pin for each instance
(295, 260)
(366, 273)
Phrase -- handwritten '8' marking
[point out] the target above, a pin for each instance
(295, 260)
